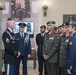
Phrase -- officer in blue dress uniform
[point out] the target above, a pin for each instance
(24, 47)
(39, 42)
(11, 48)
(71, 51)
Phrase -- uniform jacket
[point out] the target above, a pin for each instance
(39, 42)
(11, 47)
(71, 53)
(24, 44)
(63, 47)
(50, 47)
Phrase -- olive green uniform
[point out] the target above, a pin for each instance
(50, 47)
(62, 58)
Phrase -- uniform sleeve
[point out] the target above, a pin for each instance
(29, 45)
(71, 53)
(44, 52)
(8, 47)
(55, 48)
(37, 39)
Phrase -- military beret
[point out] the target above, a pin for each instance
(43, 26)
(73, 23)
(22, 25)
(50, 22)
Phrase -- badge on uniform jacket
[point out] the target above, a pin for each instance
(70, 43)
(51, 38)
(7, 40)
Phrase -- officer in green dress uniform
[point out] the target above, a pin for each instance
(50, 50)
(64, 39)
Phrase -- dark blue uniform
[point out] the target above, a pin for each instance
(24, 47)
(39, 42)
(11, 52)
(71, 54)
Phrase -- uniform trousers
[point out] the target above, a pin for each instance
(24, 62)
(10, 69)
(52, 68)
(41, 63)
(63, 71)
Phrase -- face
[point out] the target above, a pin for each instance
(71, 29)
(65, 29)
(12, 24)
(60, 30)
(21, 29)
(50, 27)
(42, 30)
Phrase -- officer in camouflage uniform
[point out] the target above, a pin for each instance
(50, 50)
(63, 47)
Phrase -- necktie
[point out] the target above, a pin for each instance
(22, 35)
(42, 34)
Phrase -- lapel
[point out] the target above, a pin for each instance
(24, 35)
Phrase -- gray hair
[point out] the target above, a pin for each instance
(9, 20)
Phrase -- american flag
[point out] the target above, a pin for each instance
(21, 2)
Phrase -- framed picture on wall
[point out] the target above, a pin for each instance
(28, 29)
(69, 17)
(19, 7)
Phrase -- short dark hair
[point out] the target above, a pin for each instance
(43, 26)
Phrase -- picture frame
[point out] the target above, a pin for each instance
(66, 17)
(20, 7)
(28, 29)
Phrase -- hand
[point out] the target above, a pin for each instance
(18, 54)
(69, 71)
(29, 55)
(45, 57)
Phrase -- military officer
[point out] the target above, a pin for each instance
(11, 48)
(63, 47)
(50, 49)
(71, 51)
(39, 42)
(24, 47)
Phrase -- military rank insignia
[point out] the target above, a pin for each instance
(70, 43)
(7, 40)
(51, 38)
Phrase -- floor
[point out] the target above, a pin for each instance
(30, 69)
